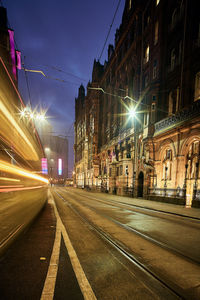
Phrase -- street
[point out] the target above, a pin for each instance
(166, 245)
(105, 247)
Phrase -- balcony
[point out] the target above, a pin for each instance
(178, 119)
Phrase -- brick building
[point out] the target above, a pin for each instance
(153, 72)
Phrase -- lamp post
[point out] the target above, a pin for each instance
(195, 183)
(185, 182)
(165, 185)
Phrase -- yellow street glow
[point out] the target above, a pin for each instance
(132, 112)
(6, 167)
(9, 179)
(8, 115)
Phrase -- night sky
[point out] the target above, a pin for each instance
(62, 38)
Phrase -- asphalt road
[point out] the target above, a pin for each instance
(86, 245)
(174, 267)
(17, 210)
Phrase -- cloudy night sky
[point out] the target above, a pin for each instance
(61, 38)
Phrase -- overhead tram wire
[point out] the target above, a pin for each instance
(110, 29)
(70, 74)
(53, 78)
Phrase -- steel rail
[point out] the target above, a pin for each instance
(175, 290)
(143, 235)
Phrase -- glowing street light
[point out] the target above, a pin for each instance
(131, 112)
(28, 114)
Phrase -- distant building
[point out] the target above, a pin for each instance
(56, 152)
(153, 70)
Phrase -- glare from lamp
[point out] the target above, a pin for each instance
(132, 113)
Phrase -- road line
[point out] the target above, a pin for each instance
(84, 284)
(11, 234)
(50, 281)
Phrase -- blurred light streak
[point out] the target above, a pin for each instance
(9, 179)
(10, 118)
(6, 167)
(7, 189)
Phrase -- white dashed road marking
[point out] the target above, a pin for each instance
(49, 286)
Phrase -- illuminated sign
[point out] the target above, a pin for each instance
(12, 52)
(19, 64)
(59, 166)
(44, 166)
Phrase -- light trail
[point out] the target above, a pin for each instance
(13, 122)
(7, 167)
(6, 190)
(9, 179)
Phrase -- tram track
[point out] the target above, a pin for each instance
(141, 234)
(173, 292)
(126, 252)
(147, 209)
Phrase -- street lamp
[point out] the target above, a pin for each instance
(132, 114)
(185, 182)
(195, 183)
(27, 113)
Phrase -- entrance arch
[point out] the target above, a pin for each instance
(140, 184)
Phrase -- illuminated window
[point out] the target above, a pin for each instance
(193, 161)
(146, 57)
(174, 101)
(130, 4)
(197, 87)
(167, 165)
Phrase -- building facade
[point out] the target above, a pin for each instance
(19, 141)
(137, 130)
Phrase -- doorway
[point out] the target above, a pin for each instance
(140, 184)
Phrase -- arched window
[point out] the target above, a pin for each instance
(173, 101)
(167, 165)
(157, 2)
(193, 159)
(130, 4)
(146, 54)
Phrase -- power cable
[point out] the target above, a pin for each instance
(110, 29)
(53, 78)
(60, 70)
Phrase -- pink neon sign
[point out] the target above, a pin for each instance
(19, 64)
(44, 166)
(12, 52)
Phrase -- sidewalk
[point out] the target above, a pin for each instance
(161, 206)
